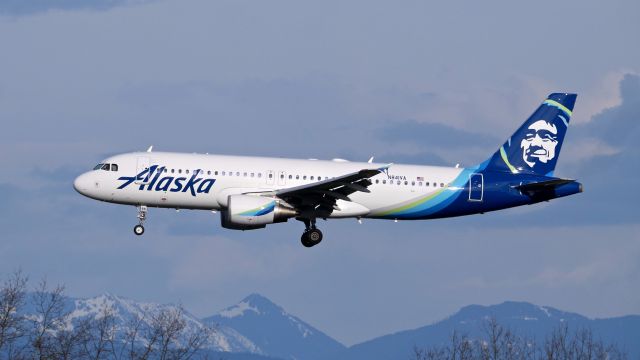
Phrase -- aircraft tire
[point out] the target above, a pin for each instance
(138, 230)
(311, 237)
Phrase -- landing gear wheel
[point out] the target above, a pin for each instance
(138, 230)
(314, 235)
(142, 216)
(311, 237)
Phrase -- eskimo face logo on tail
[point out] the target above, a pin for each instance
(539, 143)
(152, 182)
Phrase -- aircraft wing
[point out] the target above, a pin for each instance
(321, 196)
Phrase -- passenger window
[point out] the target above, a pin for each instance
(290, 177)
(216, 172)
(237, 173)
(413, 183)
(259, 175)
(209, 172)
(245, 174)
(399, 182)
(114, 167)
(253, 174)
(420, 183)
(406, 182)
(297, 177)
(270, 176)
(105, 167)
(224, 173)
(281, 176)
(165, 169)
(426, 184)
(377, 181)
(384, 181)
(304, 177)
(441, 184)
(311, 178)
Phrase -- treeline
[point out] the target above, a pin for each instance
(36, 324)
(500, 343)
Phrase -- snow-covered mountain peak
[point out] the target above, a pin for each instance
(255, 305)
(238, 310)
(511, 312)
(274, 331)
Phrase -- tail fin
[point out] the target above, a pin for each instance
(534, 148)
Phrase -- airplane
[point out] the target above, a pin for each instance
(253, 192)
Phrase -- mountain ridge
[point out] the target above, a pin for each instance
(257, 328)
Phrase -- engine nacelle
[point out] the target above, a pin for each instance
(248, 212)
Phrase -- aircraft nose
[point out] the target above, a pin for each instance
(82, 184)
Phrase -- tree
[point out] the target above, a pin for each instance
(500, 343)
(39, 325)
(12, 298)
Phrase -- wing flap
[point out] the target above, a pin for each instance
(321, 196)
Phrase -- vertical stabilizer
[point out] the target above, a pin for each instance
(534, 148)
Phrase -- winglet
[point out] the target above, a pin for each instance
(370, 160)
(150, 148)
(385, 168)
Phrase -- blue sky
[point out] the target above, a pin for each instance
(406, 81)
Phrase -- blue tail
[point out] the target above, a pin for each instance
(534, 148)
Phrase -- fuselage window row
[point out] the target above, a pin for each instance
(114, 167)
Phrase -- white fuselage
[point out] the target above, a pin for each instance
(222, 176)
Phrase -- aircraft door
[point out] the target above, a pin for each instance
(476, 187)
(142, 165)
(282, 178)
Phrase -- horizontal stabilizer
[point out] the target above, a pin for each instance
(543, 185)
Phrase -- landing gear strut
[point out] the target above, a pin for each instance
(311, 235)
(142, 216)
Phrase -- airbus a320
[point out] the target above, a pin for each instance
(253, 192)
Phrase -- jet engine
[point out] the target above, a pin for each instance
(248, 212)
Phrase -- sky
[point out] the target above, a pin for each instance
(405, 81)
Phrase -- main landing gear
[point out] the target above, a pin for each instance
(142, 216)
(311, 235)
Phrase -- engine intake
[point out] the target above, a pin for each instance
(248, 212)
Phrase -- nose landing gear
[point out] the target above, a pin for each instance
(311, 236)
(142, 216)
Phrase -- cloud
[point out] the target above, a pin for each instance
(432, 134)
(620, 125)
(32, 7)
(417, 142)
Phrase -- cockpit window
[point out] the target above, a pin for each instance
(98, 167)
(105, 167)
(114, 167)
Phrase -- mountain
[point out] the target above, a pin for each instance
(257, 329)
(274, 331)
(523, 318)
(126, 311)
